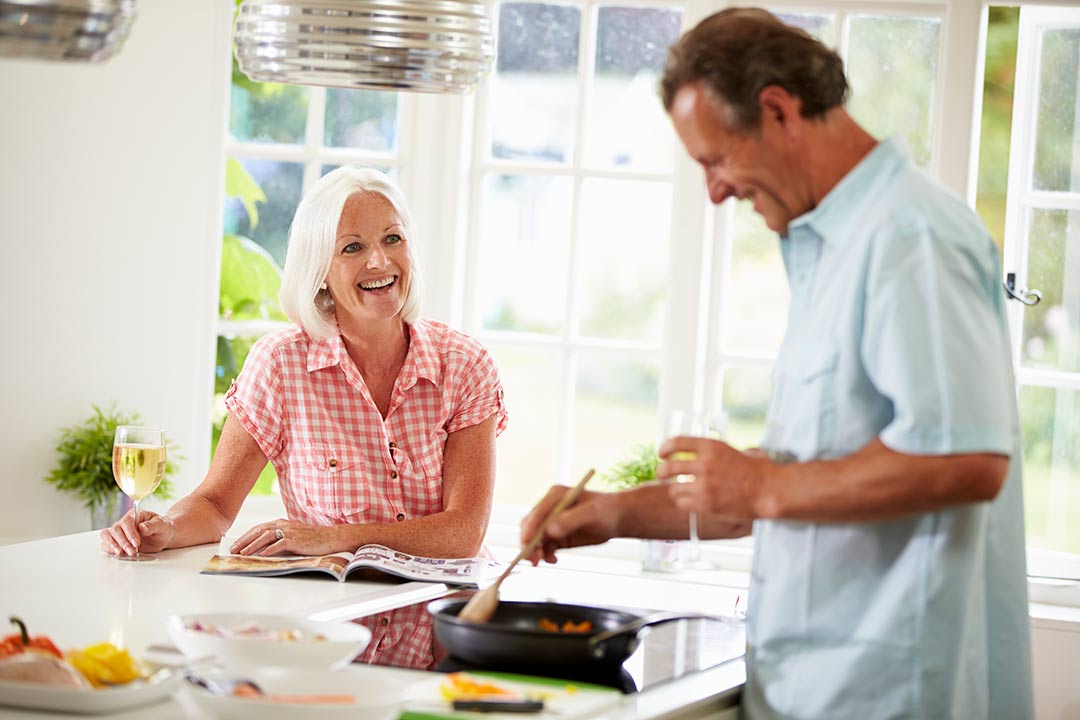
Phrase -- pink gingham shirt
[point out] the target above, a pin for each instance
(337, 460)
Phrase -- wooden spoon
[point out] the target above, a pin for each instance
(482, 604)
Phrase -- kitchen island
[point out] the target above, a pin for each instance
(66, 588)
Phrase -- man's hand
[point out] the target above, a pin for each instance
(592, 520)
(726, 481)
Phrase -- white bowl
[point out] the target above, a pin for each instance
(320, 646)
(374, 698)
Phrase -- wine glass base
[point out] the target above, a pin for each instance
(136, 558)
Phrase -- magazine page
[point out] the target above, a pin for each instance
(455, 571)
(258, 565)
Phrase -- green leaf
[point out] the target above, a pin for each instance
(250, 281)
(240, 185)
(636, 468)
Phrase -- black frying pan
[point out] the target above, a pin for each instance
(513, 637)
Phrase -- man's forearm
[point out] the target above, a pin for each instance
(877, 484)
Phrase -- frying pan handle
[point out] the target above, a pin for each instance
(649, 620)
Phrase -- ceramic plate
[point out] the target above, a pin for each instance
(321, 645)
(90, 702)
(368, 696)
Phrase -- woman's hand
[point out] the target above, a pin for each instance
(286, 536)
(149, 533)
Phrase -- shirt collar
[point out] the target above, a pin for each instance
(422, 360)
(836, 216)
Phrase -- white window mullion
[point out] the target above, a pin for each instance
(313, 135)
(1021, 159)
(957, 103)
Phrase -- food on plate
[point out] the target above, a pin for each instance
(21, 642)
(41, 669)
(37, 660)
(459, 686)
(567, 627)
(105, 665)
(253, 630)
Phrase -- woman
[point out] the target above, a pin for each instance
(381, 425)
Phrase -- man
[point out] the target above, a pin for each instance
(888, 577)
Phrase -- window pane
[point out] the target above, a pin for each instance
(1055, 154)
(1052, 328)
(623, 257)
(892, 68)
(364, 119)
(523, 253)
(282, 182)
(631, 46)
(528, 450)
(534, 86)
(746, 401)
(756, 292)
(267, 112)
(1051, 430)
(823, 27)
(615, 409)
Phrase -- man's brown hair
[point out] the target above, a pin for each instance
(739, 51)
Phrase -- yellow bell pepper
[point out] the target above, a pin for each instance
(105, 664)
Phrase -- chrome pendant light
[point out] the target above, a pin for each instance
(418, 45)
(72, 30)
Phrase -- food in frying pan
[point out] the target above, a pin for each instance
(567, 627)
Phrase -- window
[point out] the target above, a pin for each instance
(566, 280)
(584, 270)
(1042, 247)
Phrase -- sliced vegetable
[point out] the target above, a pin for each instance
(105, 664)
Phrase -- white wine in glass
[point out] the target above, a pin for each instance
(138, 465)
(693, 424)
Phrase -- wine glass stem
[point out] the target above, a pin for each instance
(693, 537)
(136, 505)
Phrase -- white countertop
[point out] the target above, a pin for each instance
(68, 589)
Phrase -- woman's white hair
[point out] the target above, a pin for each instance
(312, 238)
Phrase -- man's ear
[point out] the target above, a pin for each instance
(781, 109)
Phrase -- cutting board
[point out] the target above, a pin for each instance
(563, 700)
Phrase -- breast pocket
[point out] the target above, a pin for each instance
(330, 481)
(813, 392)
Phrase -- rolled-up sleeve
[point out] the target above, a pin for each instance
(481, 396)
(256, 401)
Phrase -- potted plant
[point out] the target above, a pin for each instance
(637, 468)
(84, 468)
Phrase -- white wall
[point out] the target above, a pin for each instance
(110, 185)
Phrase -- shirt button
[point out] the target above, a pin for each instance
(333, 462)
(400, 516)
(393, 474)
(393, 445)
(384, 622)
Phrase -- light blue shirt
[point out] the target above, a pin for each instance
(896, 331)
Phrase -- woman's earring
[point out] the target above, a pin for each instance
(322, 286)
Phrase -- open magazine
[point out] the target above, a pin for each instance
(367, 560)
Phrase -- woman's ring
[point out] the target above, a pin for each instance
(279, 533)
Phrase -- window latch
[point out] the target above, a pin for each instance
(1028, 297)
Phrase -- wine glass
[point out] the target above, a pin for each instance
(695, 424)
(138, 464)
